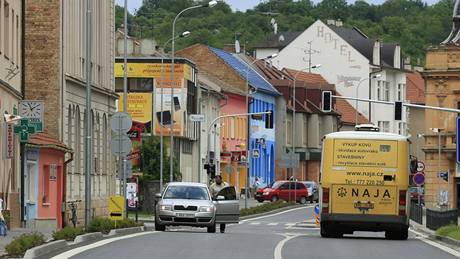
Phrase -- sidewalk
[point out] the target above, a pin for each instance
(17, 232)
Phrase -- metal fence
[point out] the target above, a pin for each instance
(436, 218)
(416, 212)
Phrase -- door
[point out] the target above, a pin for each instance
(228, 209)
(284, 191)
(30, 194)
(300, 191)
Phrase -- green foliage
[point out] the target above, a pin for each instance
(452, 231)
(68, 233)
(104, 225)
(264, 208)
(22, 243)
(411, 23)
(150, 152)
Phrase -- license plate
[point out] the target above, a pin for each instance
(185, 215)
(364, 205)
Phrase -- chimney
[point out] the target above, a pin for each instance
(231, 48)
(338, 23)
(330, 22)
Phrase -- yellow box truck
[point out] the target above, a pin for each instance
(364, 181)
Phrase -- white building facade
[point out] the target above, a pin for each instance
(350, 60)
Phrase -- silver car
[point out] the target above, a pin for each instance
(191, 204)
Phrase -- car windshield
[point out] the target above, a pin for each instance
(186, 192)
(309, 185)
(276, 185)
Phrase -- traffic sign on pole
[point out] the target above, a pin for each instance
(420, 166)
(197, 117)
(121, 145)
(121, 122)
(418, 179)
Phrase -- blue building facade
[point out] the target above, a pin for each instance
(262, 99)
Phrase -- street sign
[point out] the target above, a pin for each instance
(197, 117)
(116, 207)
(255, 153)
(9, 142)
(420, 166)
(131, 194)
(458, 141)
(418, 179)
(121, 145)
(24, 130)
(121, 122)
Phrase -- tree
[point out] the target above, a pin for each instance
(150, 154)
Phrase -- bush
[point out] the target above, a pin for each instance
(22, 243)
(452, 231)
(264, 208)
(104, 225)
(68, 233)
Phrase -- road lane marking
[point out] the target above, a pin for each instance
(82, 249)
(279, 213)
(444, 248)
(290, 224)
(272, 224)
(254, 223)
(278, 254)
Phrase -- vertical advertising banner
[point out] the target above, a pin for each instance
(179, 107)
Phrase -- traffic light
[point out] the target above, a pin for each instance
(398, 111)
(327, 101)
(212, 171)
(269, 120)
(444, 176)
(413, 166)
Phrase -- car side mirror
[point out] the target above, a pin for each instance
(220, 198)
(157, 196)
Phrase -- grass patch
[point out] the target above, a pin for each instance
(264, 208)
(22, 243)
(449, 231)
(68, 233)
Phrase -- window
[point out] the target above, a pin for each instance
(386, 92)
(187, 146)
(135, 84)
(191, 98)
(229, 193)
(379, 90)
(6, 29)
(401, 128)
(384, 126)
(400, 93)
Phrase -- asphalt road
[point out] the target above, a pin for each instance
(277, 236)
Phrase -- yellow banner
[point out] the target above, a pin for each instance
(365, 153)
(154, 70)
(139, 106)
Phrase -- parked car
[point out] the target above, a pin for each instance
(283, 190)
(415, 192)
(312, 188)
(190, 204)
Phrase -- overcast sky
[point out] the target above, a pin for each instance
(241, 5)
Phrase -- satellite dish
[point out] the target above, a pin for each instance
(281, 38)
(273, 21)
(237, 47)
(275, 28)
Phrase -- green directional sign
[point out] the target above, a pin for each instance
(24, 129)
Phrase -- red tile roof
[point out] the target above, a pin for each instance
(46, 140)
(309, 78)
(349, 113)
(415, 88)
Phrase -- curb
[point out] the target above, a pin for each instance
(273, 211)
(87, 237)
(447, 240)
(45, 249)
(125, 231)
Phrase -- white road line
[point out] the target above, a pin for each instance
(290, 224)
(272, 224)
(82, 249)
(444, 248)
(279, 213)
(254, 223)
(279, 247)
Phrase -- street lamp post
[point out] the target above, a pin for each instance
(310, 67)
(88, 131)
(171, 131)
(182, 35)
(357, 91)
(248, 148)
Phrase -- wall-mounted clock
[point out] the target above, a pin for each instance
(31, 109)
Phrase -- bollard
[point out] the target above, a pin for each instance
(317, 215)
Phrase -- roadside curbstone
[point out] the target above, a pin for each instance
(447, 240)
(45, 249)
(88, 237)
(125, 231)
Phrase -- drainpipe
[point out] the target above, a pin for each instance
(64, 185)
(23, 88)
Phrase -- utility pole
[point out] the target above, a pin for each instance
(88, 129)
(125, 92)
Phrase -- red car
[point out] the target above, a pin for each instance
(283, 190)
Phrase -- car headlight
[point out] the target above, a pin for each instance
(266, 193)
(206, 209)
(165, 207)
